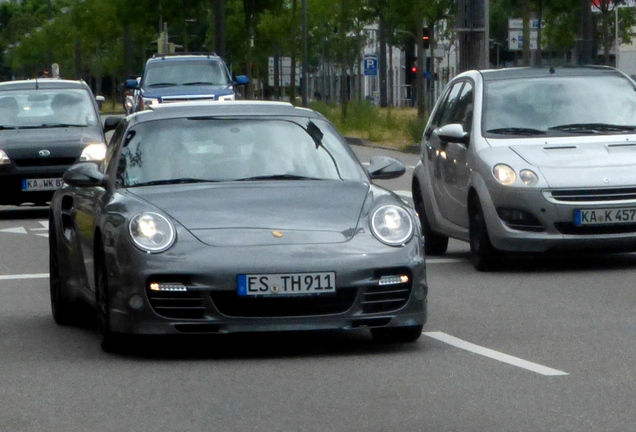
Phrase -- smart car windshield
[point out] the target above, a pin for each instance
(212, 150)
(46, 108)
(555, 105)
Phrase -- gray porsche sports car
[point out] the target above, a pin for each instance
(251, 216)
(530, 160)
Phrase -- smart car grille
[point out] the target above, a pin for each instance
(230, 304)
(178, 304)
(593, 195)
(385, 298)
(43, 162)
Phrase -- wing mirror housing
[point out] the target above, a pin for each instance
(453, 132)
(85, 174)
(385, 167)
(111, 123)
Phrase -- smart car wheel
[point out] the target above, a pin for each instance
(434, 244)
(484, 255)
(109, 341)
(63, 306)
(397, 334)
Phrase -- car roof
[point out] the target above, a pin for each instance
(239, 108)
(542, 71)
(43, 83)
(180, 57)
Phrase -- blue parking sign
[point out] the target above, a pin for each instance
(370, 65)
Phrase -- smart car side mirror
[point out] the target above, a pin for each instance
(453, 132)
(111, 123)
(85, 174)
(385, 167)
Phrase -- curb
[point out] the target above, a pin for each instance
(412, 149)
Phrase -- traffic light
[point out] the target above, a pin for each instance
(426, 37)
(414, 70)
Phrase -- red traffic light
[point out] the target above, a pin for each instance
(414, 69)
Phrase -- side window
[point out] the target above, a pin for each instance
(463, 112)
(448, 108)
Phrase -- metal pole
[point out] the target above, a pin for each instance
(304, 86)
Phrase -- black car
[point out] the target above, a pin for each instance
(46, 125)
(182, 77)
(244, 217)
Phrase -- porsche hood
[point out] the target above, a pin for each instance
(261, 213)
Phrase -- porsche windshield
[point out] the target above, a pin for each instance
(214, 150)
(560, 105)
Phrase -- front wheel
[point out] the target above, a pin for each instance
(434, 244)
(109, 341)
(484, 255)
(63, 306)
(397, 334)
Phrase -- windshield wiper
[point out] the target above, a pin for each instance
(172, 181)
(593, 127)
(60, 125)
(164, 84)
(516, 131)
(278, 177)
(198, 83)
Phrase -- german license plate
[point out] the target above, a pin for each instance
(604, 216)
(284, 284)
(43, 184)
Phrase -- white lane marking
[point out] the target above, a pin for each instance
(496, 355)
(444, 260)
(25, 276)
(17, 230)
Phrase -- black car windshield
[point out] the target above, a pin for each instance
(218, 150)
(556, 106)
(46, 108)
(185, 72)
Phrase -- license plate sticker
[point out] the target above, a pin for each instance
(604, 216)
(42, 184)
(286, 284)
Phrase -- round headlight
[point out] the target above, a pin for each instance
(504, 174)
(151, 232)
(529, 178)
(392, 225)
(93, 152)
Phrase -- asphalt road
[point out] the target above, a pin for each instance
(544, 345)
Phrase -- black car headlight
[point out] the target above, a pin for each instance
(151, 232)
(392, 225)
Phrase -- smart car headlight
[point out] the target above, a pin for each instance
(391, 225)
(504, 174)
(4, 158)
(529, 178)
(94, 152)
(151, 232)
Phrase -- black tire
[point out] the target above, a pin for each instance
(397, 334)
(64, 307)
(434, 244)
(484, 255)
(109, 341)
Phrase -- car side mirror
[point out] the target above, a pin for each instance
(85, 174)
(111, 123)
(453, 132)
(131, 84)
(385, 167)
(242, 80)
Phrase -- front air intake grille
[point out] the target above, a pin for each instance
(385, 298)
(607, 195)
(178, 304)
(43, 162)
(231, 304)
(571, 229)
